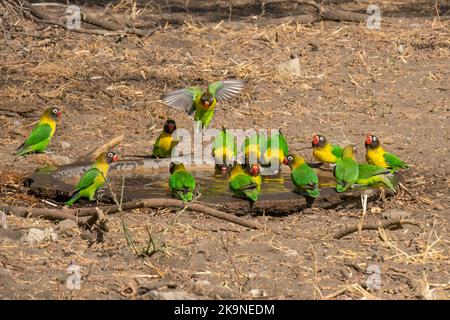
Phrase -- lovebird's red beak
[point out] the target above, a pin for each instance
(285, 161)
(315, 140)
(59, 114)
(206, 104)
(368, 140)
(255, 171)
(115, 158)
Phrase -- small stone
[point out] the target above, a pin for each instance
(290, 67)
(257, 293)
(65, 145)
(170, 295)
(375, 210)
(401, 49)
(394, 214)
(291, 253)
(67, 224)
(35, 235)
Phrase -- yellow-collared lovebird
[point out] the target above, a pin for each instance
(41, 134)
(252, 147)
(203, 102)
(375, 155)
(277, 149)
(165, 143)
(94, 178)
(181, 182)
(242, 185)
(224, 150)
(346, 169)
(369, 175)
(325, 152)
(303, 177)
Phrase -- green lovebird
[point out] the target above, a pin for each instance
(277, 149)
(369, 175)
(224, 150)
(252, 147)
(303, 176)
(325, 152)
(375, 155)
(94, 178)
(181, 182)
(242, 185)
(346, 169)
(203, 102)
(41, 134)
(165, 143)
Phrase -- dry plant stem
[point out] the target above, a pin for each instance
(91, 156)
(374, 226)
(58, 214)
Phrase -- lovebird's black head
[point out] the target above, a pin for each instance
(371, 141)
(170, 126)
(53, 113)
(318, 141)
(207, 99)
(111, 157)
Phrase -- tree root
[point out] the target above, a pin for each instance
(374, 226)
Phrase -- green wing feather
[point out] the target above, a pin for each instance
(393, 161)
(88, 179)
(183, 99)
(367, 170)
(182, 183)
(337, 150)
(346, 173)
(282, 143)
(243, 186)
(305, 179)
(226, 89)
(40, 134)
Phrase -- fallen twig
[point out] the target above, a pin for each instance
(73, 214)
(374, 226)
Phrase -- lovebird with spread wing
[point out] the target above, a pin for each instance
(94, 178)
(165, 143)
(41, 135)
(375, 155)
(277, 149)
(243, 185)
(346, 169)
(193, 99)
(224, 150)
(181, 182)
(303, 177)
(325, 152)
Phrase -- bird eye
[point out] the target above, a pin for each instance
(290, 158)
(110, 155)
(321, 138)
(374, 138)
(55, 110)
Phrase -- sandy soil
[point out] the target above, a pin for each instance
(393, 82)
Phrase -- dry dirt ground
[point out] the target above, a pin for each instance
(393, 82)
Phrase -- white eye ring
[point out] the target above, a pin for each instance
(110, 155)
(321, 138)
(290, 158)
(374, 138)
(55, 110)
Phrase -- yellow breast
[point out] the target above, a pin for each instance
(165, 141)
(375, 157)
(324, 154)
(50, 122)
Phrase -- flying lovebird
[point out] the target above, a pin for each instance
(242, 185)
(193, 99)
(375, 155)
(325, 152)
(181, 182)
(165, 143)
(94, 178)
(346, 169)
(41, 135)
(369, 175)
(277, 149)
(303, 177)
(252, 147)
(224, 150)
